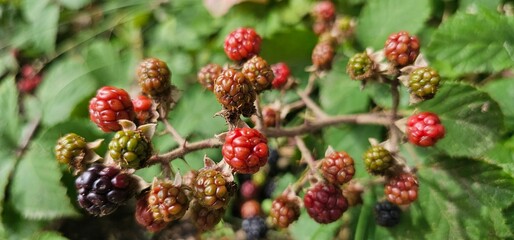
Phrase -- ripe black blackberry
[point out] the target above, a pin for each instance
(102, 189)
(387, 214)
(255, 228)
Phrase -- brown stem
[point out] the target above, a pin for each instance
(306, 154)
(25, 141)
(174, 133)
(258, 116)
(394, 135)
(367, 118)
(312, 105)
(185, 149)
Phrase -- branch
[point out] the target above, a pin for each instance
(393, 130)
(368, 118)
(306, 154)
(312, 105)
(185, 149)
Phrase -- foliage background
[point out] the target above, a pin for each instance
(466, 181)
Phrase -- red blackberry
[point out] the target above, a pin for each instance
(145, 217)
(204, 218)
(402, 188)
(338, 168)
(130, 149)
(424, 129)
(270, 117)
(255, 228)
(423, 82)
(325, 203)
(208, 74)
(284, 211)
(245, 150)
(401, 49)
(259, 73)
(250, 208)
(378, 160)
(102, 189)
(387, 214)
(167, 201)
(154, 78)
(143, 109)
(110, 105)
(29, 80)
(249, 190)
(324, 11)
(212, 190)
(235, 92)
(282, 73)
(242, 43)
(322, 55)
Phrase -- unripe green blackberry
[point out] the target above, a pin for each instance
(70, 149)
(235, 92)
(212, 190)
(360, 66)
(130, 149)
(378, 160)
(423, 82)
(259, 73)
(167, 201)
(154, 78)
(208, 74)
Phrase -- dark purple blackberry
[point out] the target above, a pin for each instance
(255, 228)
(102, 189)
(387, 214)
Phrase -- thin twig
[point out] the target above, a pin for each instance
(258, 122)
(25, 141)
(393, 130)
(312, 105)
(306, 154)
(174, 133)
(181, 151)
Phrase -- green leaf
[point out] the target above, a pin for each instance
(36, 186)
(7, 164)
(109, 65)
(305, 228)
(64, 86)
(10, 123)
(380, 93)
(471, 118)
(380, 18)
(502, 91)
(43, 17)
(463, 198)
(457, 43)
(340, 95)
(16, 226)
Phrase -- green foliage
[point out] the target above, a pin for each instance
(380, 18)
(466, 180)
(459, 45)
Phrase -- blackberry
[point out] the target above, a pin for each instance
(255, 228)
(145, 217)
(284, 211)
(130, 149)
(259, 73)
(71, 149)
(378, 160)
(387, 214)
(167, 201)
(154, 78)
(424, 129)
(322, 55)
(401, 49)
(338, 168)
(208, 74)
(360, 66)
(325, 203)
(110, 105)
(423, 82)
(235, 92)
(242, 44)
(282, 72)
(245, 150)
(212, 190)
(250, 208)
(102, 189)
(205, 219)
(402, 188)
(143, 108)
